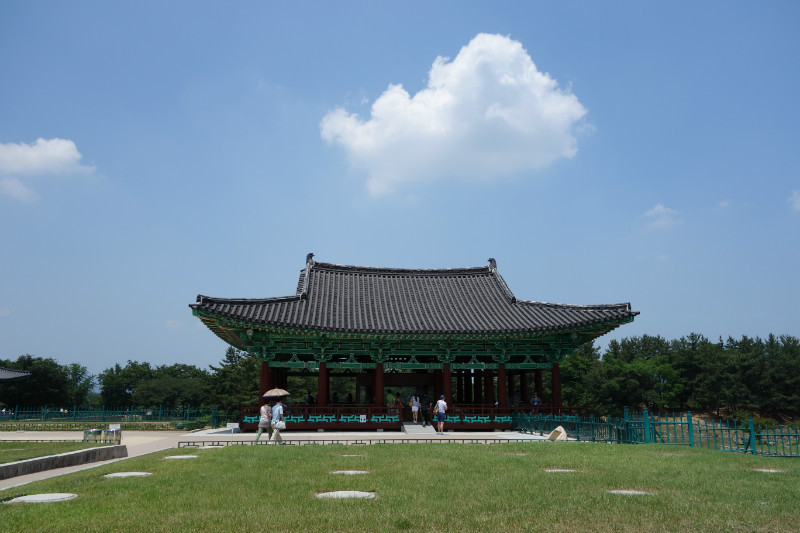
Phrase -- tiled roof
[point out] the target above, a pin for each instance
(391, 300)
(8, 373)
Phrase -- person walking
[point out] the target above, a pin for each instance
(426, 409)
(277, 416)
(265, 422)
(441, 409)
(415, 408)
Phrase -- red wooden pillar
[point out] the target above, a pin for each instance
(265, 381)
(447, 381)
(488, 385)
(502, 386)
(378, 388)
(538, 383)
(556, 385)
(322, 385)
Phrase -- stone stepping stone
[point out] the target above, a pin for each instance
(341, 494)
(559, 470)
(44, 498)
(181, 457)
(351, 472)
(518, 454)
(351, 455)
(767, 470)
(128, 474)
(631, 492)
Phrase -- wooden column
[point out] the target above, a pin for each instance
(378, 388)
(538, 383)
(447, 383)
(266, 379)
(468, 387)
(556, 385)
(322, 385)
(502, 386)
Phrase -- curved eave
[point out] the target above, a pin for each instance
(234, 323)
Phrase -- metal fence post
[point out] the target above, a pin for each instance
(646, 424)
(691, 429)
(752, 435)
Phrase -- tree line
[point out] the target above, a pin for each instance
(229, 385)
(746, 375)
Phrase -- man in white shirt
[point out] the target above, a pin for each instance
(441, 409)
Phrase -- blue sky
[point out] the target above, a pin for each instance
(601, 152)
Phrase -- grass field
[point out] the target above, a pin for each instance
(424, 487)
(11, 451)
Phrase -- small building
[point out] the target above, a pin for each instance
(460, 332)
(10, 373)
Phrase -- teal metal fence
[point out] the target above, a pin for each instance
(671, 428)
(210, 415)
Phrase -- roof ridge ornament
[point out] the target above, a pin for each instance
(492, 264)
(309, 264)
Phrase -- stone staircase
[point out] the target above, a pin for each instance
(411, 428)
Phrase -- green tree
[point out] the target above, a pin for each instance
(48, 383)
(174, 385)
(234, 383)
(81, 383)
(639, 373)
(118, 384)
(584, 381)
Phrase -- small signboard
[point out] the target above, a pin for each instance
(114, 427)
(232, 425)
(363, 419)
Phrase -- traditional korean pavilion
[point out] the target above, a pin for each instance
(421, 327)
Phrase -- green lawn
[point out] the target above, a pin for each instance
(11, 451)
(424, 487)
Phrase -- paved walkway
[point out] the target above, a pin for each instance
(145, 442)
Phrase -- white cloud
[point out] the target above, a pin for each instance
(794, 200)
(488, 113)
(15, 189)
(662, 217)
(173, 324)
(45, 156)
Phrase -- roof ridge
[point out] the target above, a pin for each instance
(395, 270)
